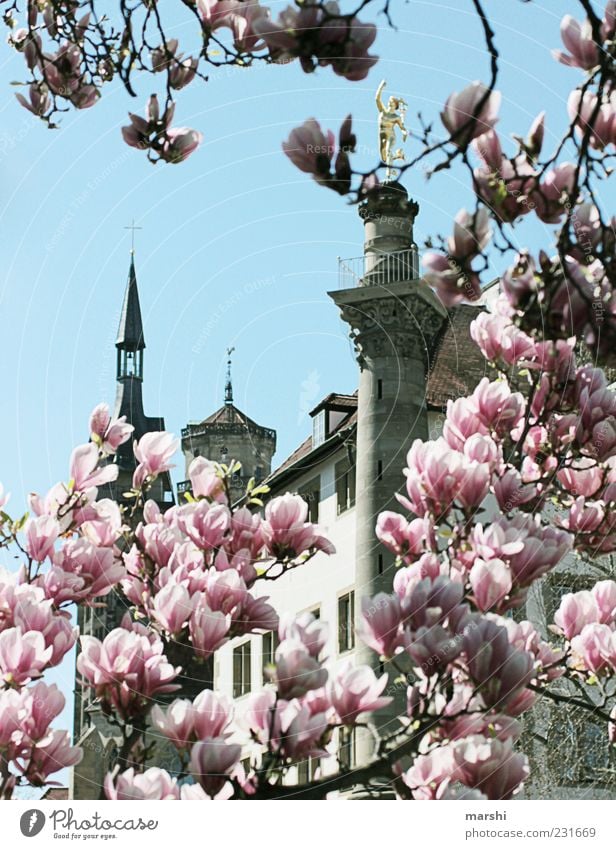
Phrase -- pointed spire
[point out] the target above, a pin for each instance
(229, 384)
(130, 331)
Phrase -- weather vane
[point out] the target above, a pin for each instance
(390, 117)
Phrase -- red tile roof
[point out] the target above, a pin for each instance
(458, 365)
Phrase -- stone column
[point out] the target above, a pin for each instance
(394, 320)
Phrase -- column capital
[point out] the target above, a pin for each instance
(401, 319)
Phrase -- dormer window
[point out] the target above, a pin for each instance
(319, 428)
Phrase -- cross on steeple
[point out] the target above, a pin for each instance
(133, 227)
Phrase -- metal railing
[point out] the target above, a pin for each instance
(374, 269)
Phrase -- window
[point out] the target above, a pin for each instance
(319, 428)
(346, 748)
(271, 641)
(307, 770)
(345, 485)
(379, 389)
(346, 618)
(311, 493)
(241, 670)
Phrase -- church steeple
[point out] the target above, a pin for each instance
(130, 342)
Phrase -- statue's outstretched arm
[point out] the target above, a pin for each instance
(379, 92)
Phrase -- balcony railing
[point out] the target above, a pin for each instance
(378, 269)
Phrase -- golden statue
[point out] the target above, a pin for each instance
(390, 117)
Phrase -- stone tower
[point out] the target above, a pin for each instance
(90, 727)
(229, 434)
(394, 320)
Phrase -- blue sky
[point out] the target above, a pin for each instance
(237, 247)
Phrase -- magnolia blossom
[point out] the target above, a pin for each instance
(153, 453)
(356, 690)
(205, 480)
(471, 112)
(50, 755)
(212, 761)
(107, 432)
(125, 670)
(155, 133)
(285, 530)
(154, 784)
(297, 671)
(85, 471)
(578, 39)
(380, 624)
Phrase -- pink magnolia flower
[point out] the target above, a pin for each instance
(380, 624)
(491, 581)
(317, 36)
(553, 195)
(23, 656)
(211, 762)
(153, 784)
(212, 713)
(453, 281)
(500, 671)
(356, 690)
(285, 530)
(176, 723)
(490, 765)
(38, 101)
(179, 143)
(305, 628)
(172, 607)
(153, 452)
(208, 629)
(50, 755)
(126, 670)
(471, 233)
(41, 535)
(406, 539)
(583, 109)
(205, 523)
(578, 39)
(437, 477)
(604, 593)
(497, 406)
(595, 648)
(576, 610)
(40, 705)
(297, 671)
(524, 636)
(106, 432)
(100, 522)
(310, 150)
(584, 477)
(205, 480)
(463, 116)
(462, 422)
(82, 571)
(246, 533)
(84, 469)
(498, 338)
